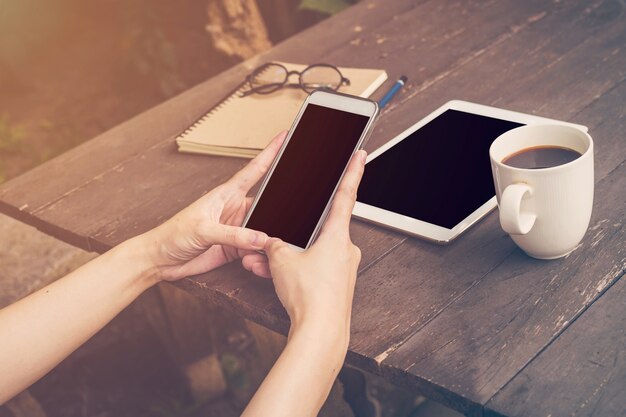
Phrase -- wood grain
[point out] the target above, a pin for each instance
(135, 142)
(451, 279)
(126, 142)
(477, 344)
(583, 373)
(455, 323)
(122, 212)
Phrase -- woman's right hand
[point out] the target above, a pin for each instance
(316, 286)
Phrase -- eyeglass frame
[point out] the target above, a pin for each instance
(286, 83)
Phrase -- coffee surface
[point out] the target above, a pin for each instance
(541, 157)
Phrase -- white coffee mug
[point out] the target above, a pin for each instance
(546, 210)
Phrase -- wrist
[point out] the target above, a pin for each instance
(326, 333)
(135, 253)
(324, 345)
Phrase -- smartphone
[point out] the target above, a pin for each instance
(295, 196)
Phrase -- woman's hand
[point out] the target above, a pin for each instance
(316, 286)
(206, 234)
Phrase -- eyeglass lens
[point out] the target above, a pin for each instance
(271, 77)
(320, 76)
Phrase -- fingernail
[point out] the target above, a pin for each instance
(363, 156)
(258, 239)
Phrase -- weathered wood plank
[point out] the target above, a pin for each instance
(607, 120)
(113, 227)
(141, 131)
(610, 149)
(476, 345)
(79, 167)
(439, 40)
(550, 66)
(606, 117)
(366, 321)
(87, 172)
(133, 140)
(561, 59)
(123, 213)
(54, 179)
(582, 373)
(455, 279)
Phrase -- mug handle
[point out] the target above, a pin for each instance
(512, 219)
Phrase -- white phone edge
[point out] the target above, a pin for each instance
(334, 100)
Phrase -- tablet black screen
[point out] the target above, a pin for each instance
(440, 173)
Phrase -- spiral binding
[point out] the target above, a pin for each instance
(240, 89)
(221, 104)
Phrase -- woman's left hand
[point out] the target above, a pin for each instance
(207, 234)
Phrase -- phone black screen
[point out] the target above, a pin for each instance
(440, 173)
(307, 173)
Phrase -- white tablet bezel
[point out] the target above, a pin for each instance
(429, 231)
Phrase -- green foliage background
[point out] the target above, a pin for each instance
(326, 6)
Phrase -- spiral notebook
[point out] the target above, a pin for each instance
(242, 126)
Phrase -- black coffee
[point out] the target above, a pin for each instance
(541, 157)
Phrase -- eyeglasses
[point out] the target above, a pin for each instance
(273, 76)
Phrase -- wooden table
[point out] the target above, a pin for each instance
(476, 325)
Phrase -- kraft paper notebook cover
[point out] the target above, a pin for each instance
(242, 126)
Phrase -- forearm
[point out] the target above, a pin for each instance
(42, 329)
(301, 378)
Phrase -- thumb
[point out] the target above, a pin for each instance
(237, 237)
(274, 246)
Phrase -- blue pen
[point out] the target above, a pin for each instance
(392, 92)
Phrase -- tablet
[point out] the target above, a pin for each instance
(434, 180)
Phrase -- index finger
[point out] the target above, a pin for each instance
(249, 175)
(338, 220)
